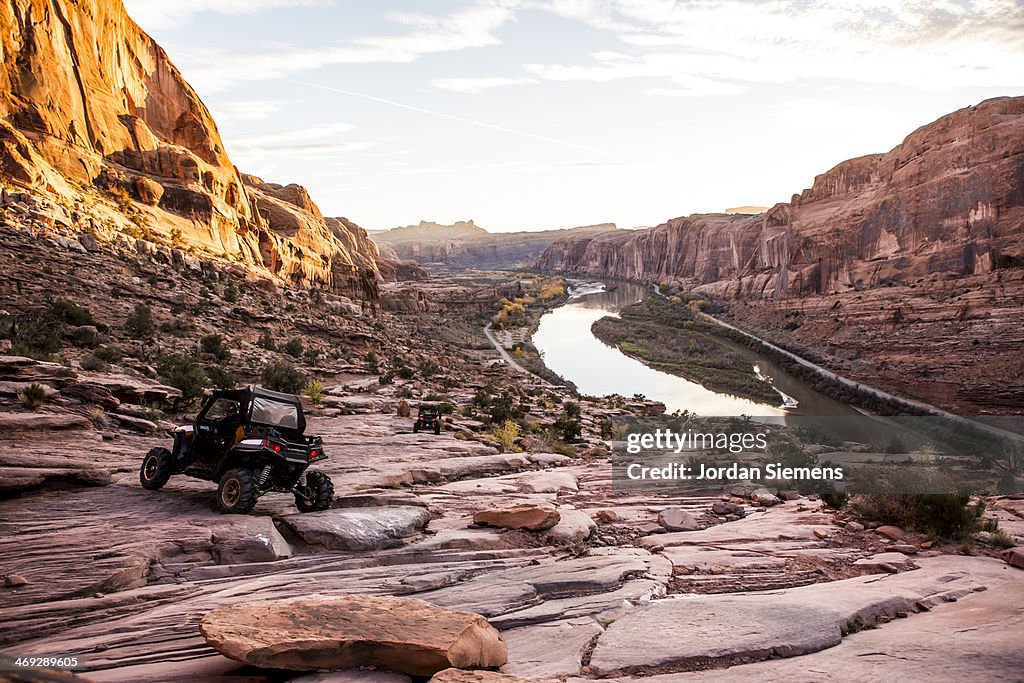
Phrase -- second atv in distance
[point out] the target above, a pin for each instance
(429, 418)
(250, 441)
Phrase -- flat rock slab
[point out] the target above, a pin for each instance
(31, 422)
(706, 630)
(460, 676)
(368, 528)
(405, 635)
(242, 539)
(530, 650)
(573, 527)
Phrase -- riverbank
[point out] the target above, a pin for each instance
(667, 336)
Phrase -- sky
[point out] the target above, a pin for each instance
(539, 114)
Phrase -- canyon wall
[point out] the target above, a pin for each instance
(94, 116)
(466, 245)
(949, 200)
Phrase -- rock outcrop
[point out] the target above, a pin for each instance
(949, 201)
(94, 115)
(400, 634)
(468, 245)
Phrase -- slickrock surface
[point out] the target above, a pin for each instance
(318, 632)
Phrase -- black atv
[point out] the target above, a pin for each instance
(429, 417)
(250, 441)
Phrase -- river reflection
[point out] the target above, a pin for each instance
(570, 349)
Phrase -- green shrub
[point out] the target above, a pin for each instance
(182, 371)
(940, 515)
(311, 355)
(314, 390)
(568, 424)
(835, 499)
(895, 445)
(213, 344)
(405, 372)
(139, 324)
(266, 341)
(221, 377)
(95, 364)
(33, 396)
(71, 313)
(294, 347)
(109, 354)
(282, 376)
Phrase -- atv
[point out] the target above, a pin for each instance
(251, 442)
(429, 417)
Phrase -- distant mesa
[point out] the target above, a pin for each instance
(467, 245)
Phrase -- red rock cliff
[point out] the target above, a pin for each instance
(91, 107)
(948, 200)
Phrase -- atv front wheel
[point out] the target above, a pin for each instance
(416, 427)
(237, 492)
(317, 494)
(155, 469)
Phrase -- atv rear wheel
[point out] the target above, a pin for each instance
(437, 426)
(155, 469)
(318, 493)
(237, 492)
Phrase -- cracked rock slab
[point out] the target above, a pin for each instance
(701, 631)
(370, 528)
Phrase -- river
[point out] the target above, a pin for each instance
(570, 349)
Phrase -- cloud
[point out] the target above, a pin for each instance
(250, 110)
(724, 46)
(216, 70)
(150, 14)
(476, 85)
(307, 142)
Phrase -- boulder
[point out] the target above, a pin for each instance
(353, 676)
(403, 409)
(84, 335)
(366, 528)
(573, 527)
(723, 508)
(854, 527)
(763, 496)
(526, 516)
(248, 539)
(1014, 556)
(319, 632)
(149, 191)
(674, 519)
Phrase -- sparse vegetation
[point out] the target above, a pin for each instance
(140, 324)
(294, 347)
(279, 375)
(266, 341)
(314, 390)
(941, 515)
(183, 372)
(506, 433)
(33, 396)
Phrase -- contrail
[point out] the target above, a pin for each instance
(453, 117)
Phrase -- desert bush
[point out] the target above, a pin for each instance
(568, 423)
(940, 515)
(71, 313)
(221, 377)
(33, 396)
(506, 433)
(139, 324)
(213, 344)
(93, 363)
(109, 354)
(835, 499)
(266, 341)
(314, 390)
(98, 417)
(183, 372)
(294, 347)
(282, 376)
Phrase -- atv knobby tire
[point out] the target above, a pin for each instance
(318, 492)
(155, 469)
(437, 427)
(237, 492)
(416, 427)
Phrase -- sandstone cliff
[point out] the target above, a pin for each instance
(464, 244)
(94, 116)
(949, 200)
